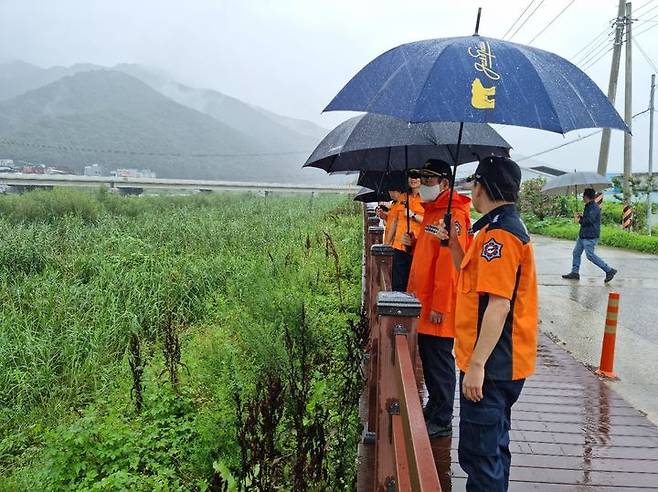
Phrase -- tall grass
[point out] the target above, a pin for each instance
(235, 283)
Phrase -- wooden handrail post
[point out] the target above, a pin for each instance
(397, 313)
(382, 255)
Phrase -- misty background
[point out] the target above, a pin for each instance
(174, 64)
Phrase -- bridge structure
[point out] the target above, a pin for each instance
(138, 185)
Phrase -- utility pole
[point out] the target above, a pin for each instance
(650, 176)
(628, 105)
(604, 150)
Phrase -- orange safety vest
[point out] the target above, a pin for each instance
(433, 277)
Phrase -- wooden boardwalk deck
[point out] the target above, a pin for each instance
(570, 432)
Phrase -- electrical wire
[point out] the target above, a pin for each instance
(644, 54)
(517, 19)
(526, 20)
(552, 21)
(590, 43)
(637, 10)
(583, 137)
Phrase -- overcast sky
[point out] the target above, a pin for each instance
(292, 56)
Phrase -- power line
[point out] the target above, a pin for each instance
(517, 19)
(553, 20)
(647, 29)
(572, 141)
(609, 44)
(644, 54)
(637, 10)
(589, 44)
(645, 13)
(526, 20)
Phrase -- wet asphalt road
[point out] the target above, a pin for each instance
(574, 312)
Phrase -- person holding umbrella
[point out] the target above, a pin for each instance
(433, 280)
(407, 219)
(496, 322)
(590, 230)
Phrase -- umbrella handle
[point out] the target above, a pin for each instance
(447, 220)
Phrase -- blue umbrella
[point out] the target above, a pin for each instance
(476, 79)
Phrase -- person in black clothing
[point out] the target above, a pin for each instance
(590, 230)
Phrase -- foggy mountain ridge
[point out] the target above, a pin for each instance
(138, 109)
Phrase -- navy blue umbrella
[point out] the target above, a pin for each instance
(475, 79)
(375, 142)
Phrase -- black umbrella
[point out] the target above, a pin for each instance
(375, 142)
(383, 181)
(367, 195)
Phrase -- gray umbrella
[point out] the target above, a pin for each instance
(575, 183)
(375, 142)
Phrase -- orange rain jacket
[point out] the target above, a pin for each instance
(433, 276)
(415, 207)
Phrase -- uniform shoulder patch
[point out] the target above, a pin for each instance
(492, 250)
(458, 228)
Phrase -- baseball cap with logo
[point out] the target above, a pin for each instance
(500, 175)
(435, 168)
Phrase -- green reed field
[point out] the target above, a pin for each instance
(179, 343)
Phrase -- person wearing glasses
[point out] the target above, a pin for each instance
(432, 280)
(496, 325)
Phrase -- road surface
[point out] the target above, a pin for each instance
(574, 312)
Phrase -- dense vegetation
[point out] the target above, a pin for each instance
(182, 343)
(553, 216)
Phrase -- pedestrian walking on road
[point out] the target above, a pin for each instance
(496, 325)
(590, 231)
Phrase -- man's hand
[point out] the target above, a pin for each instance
(407, 239)
(436, 317)
(472, 383)
(577, 216)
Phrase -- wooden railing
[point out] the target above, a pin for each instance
(395, 453)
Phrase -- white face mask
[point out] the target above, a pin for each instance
(429, 193)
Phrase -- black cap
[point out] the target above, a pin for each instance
(435, 168)
(501, 176)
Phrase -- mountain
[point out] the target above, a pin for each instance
(122, 115)
(18, 77)
(89, 116)
(279, 132)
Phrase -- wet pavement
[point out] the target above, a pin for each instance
(574, 312)
(571, 432)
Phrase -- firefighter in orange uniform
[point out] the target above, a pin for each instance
(394, 208)
(401, 253)
(433, 280)
(496, 323)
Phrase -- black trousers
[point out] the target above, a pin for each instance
(401, 269)
(440, 377)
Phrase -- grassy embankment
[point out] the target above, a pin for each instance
(178, 343)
